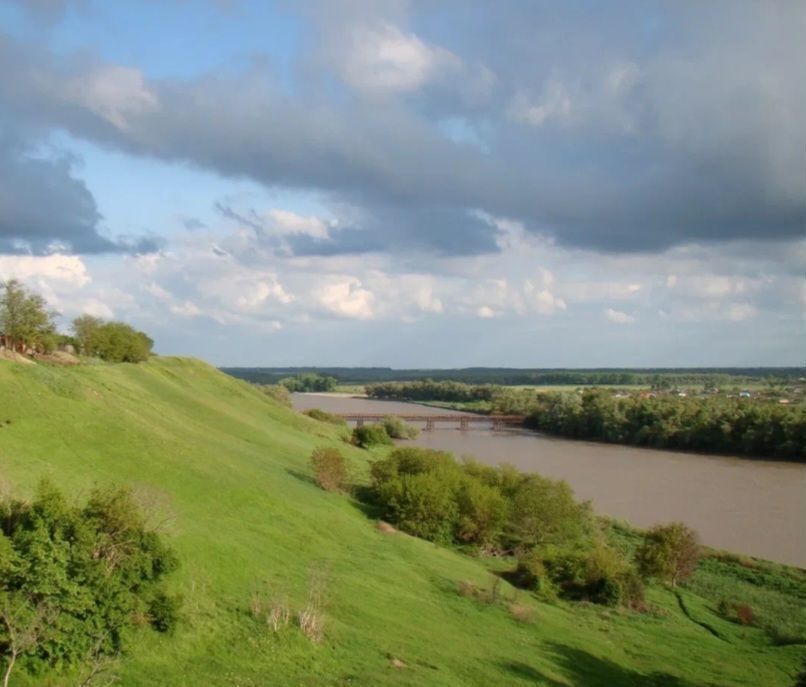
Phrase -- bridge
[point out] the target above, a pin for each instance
(432, 420)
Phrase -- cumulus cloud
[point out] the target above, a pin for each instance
(383, 59)
(347, 298)
(618, 316)
(621, 147)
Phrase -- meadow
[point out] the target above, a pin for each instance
(226, 470)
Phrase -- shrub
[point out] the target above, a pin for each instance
(531, 574)
(398, 429)
(669, 553)
(741, 613)
(521, 613)
(597, 574)
(98, 561)
(367, 436)
(163, 611)
(329, 468)
(482, 513)
(278, 393)
(323, 416)
(421, 504)
(543, 511)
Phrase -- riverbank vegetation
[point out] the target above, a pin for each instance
(711, 424)
(741, 423)
(660, 378)
(309, 382)
(229, 472)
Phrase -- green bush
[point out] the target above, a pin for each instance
(669, 553)
(278, 393)
(163, 611)
(329, 468)
(423, 505)
(74, 578)
(367, 436)
(323, 416)
(543, 511)
(398, 429)
(482, 512)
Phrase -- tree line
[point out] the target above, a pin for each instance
(430, 390)
(309, 382)
(712, 424)
(27, 323)
(657, 377)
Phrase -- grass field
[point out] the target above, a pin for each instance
(230, 469)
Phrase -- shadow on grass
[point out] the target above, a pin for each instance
(594, 671)
(302, 477)
(586, 670)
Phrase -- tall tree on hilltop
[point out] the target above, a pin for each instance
(25, 317)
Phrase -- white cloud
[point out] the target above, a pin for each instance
(287, 222)
(115, 93)
(485, 311)
(618, 316)
(347, 298)
(383, 59)
(62, 269)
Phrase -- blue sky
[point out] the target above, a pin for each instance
(406, 183)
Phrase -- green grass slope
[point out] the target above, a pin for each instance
(231, 467)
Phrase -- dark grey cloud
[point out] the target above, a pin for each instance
(635, 127)
(43, 207)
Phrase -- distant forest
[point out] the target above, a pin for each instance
(660, 376)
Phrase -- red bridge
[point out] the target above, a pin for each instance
(430, 421)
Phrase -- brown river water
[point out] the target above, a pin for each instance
(755, 507)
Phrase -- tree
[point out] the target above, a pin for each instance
(25, 318)
(115, 342)
(669, 552)
(85, 329)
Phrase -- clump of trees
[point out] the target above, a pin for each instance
(74, 579)
(367, 436)
(559, 547)
(714, 424)
(309, 382)
(115, 342)
(26, 322)
(429, 390)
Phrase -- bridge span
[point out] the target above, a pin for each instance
(463, 421)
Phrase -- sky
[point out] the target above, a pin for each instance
(413, 183)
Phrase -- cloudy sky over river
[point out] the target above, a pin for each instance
(369, 182)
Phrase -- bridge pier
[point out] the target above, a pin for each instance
(429, 425)
(463, 423)
(359, 422)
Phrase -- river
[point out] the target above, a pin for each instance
(755, 507)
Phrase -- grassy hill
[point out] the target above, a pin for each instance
(230, 468)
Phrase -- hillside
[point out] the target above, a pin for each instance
(230, 469)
